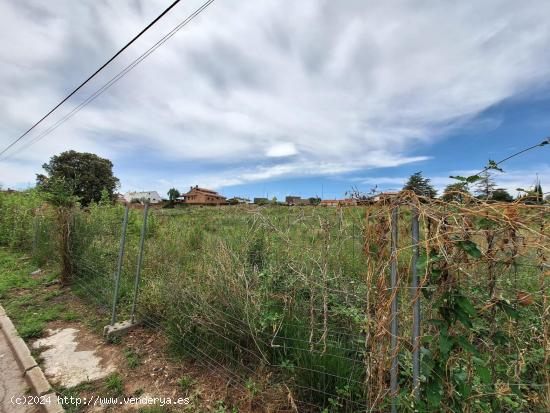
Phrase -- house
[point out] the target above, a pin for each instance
(296, 200)
(382, 197)
(338, 202)
(329, 202)
(202, 196)
(8, 191)
(236, 200)
(293, 200)
(151, 197)
(261, 201)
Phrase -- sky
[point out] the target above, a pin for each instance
(278, 97)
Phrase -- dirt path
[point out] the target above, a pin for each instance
(12, 382)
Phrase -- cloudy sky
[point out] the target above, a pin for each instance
(275, 97)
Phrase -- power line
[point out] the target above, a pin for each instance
(91, 76)
(117, 77)
(544, 142)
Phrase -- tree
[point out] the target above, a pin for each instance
(456, 192)
(314, 200)
(420, 186)
(501, 195)
(83, 175)
(485, 185)
(173, 194)
(539, 194)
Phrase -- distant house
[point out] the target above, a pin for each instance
(261, 201)
(236, 200)
(202, 196)
(151, 197)
(293, 200)
(296, 200)
(8, 191)
(338, 202)
(383, 196)
(329, 202)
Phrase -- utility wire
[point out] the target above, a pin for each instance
(544, 142)
(117, 77)
(91, 76)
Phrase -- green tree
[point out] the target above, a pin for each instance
(501, 195)
(485, 186)
(420, 186)
(314, 200)
(173, 194)
(539, 194)
(456, 192)
(82, 175)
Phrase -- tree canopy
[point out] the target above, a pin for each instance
(485, 186)
(173, 194)
(85, 176)
(501, 195)
(456, 192)
(420, 186)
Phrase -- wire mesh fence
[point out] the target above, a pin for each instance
(408, 304)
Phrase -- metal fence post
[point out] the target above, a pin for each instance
(35, 235)
(119, 263)
(416, 304)
(140, 258)
(394, 321)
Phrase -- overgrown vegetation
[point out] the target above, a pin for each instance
(296, 300)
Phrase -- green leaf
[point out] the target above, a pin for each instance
(469, 247)
(434, 396)
(445, 343)
(463, 317)
(422, 262)
(509, 309)
(473, 178)
(493, 165)
(466, 305)
(484, 374)
(466, 345)
(501, 338)
(482, 371)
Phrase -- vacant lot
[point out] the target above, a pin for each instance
(293, 303)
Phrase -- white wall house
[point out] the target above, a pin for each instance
(152, 197)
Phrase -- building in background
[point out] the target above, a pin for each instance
(338, 202)
(202, 196)
(151, 197)
(237, 200)
(297, 200)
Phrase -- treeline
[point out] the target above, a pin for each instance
(481, 186)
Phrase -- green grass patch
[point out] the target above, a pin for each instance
(132, 358)
(114, 385)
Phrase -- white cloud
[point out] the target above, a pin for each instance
(266, 89)
(281, 149)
